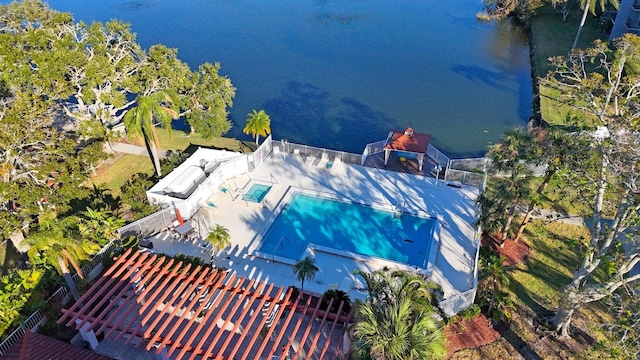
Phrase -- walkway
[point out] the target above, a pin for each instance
(134, 149)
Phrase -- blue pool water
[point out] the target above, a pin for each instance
(350, 227)
(256, 193)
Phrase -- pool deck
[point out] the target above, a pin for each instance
(454, 264)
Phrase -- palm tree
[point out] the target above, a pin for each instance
(397, 320)
(140, 121)
(258, 124)
(491, 209)
(56, 243)
(494, 271)
(590, 6)
(305, 269)
(101, 225)
(389, 286)
(555, 147)
(397, 332)
(219, 238)
(512, 155)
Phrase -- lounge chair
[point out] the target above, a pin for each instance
(313, 161)
(322, 164)
(337, 165)
(296, 155)
(276, 151)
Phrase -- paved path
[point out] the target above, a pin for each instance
(134, 149)
(551, 215)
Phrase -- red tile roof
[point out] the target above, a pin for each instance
(34, 346)
(408, 140)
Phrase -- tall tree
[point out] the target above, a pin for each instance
(141, 121)
(258, 124)
(494, 272)
(590, 6)
(57, 243)
(609, 95)
(397, 320)
(513, 156)
(102, 226)
(204, 101)
(553, 148)
(219, 238)
(305, 269)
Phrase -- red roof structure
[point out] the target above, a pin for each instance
(405, 142)
(408, 140)
(34, 346)
(187, 312)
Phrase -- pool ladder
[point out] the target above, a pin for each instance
(397, 211)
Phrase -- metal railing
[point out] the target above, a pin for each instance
(150, 224)
(470, 171)
(261, 153)
(373, 148)
(457, 303)
(315, 152)
(31, 322)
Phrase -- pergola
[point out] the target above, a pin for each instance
(180, 311)
(407, 141)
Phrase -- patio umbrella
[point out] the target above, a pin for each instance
(180, 220)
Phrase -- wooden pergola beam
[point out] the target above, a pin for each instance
(208, 285)
(273, 350)
(335, 321)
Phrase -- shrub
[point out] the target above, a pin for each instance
(337, 296)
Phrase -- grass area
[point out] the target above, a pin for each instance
(536, 289)
(116, 171)
(180, 140)
(556, 256)
(553, 37)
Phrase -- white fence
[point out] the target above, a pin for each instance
(31, 322)
(150, 224)
(457, 303)
(373, 148)
(35, 319)
(471, 171)
(261, 153)
(286, 147)
(438, 156)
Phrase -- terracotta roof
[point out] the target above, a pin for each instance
(408, 140)
(34, 346)
(202, 312)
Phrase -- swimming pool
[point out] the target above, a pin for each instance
(349, 227)
(256, 193)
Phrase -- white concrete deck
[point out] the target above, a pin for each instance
(454, 264)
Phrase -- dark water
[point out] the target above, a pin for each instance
(340, 74)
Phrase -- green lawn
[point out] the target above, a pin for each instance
(180, 140)
(114, 173)
(553, 37)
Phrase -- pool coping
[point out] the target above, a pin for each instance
(428, 263)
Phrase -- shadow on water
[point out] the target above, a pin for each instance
(479, 74)
(307, 114)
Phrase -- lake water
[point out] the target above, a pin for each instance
(342, 73)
